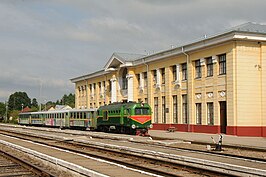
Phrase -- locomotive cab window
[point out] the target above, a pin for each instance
(142, 111)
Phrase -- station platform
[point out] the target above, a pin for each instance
(240, 141)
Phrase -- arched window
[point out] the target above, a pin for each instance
(124, 79)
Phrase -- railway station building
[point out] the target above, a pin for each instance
(213, 85)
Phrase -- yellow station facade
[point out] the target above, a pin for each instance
(214, 85)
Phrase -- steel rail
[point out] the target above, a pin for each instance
(27, 165)
(110, 158)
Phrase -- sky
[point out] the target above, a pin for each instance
(45, 43)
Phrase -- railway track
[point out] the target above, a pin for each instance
(154, 167)
(11, 165)
(170, 160)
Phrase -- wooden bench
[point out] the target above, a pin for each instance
(171, 129)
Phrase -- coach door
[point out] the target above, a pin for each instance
(223, 116)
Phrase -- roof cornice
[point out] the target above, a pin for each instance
(232, 35)
(190, 47)
(89, 76)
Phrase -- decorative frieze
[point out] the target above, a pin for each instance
(209, 94)
(198, 95)
(222, 93)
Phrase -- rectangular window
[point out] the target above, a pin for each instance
(163, 75)
(198, 113)
(90, 88)
(145, 79)
(156, 109)
(184, 109)
(175, 109)
(99, 85)
(197, 69)
(154, 73)
(184, 71)
(174, 72)
(163, 110)
(209, 67)
(222, 64)
(210, 113)
(138, 79)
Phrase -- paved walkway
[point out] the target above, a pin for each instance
(253, 142)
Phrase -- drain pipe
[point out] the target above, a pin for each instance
(187, 61)
(86, 82)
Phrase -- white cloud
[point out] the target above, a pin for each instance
(55, 40)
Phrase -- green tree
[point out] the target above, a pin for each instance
(68, 100)
(34, 103)
(2, 109)
(17, 99)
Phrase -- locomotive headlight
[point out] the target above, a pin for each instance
(133, 126)
(151, 126)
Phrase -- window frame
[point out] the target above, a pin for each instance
(222, 64)
(209, 67)
(198, 72)
(156, 110)
(184, 71)
(174, 72)
(210, 113)
(198, 113)
(163, 110)
(175, 109)
(184, 109)
(163, 75)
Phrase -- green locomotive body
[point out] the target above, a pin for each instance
(130, 118)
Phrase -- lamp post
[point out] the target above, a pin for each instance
(22, 107)
(6, 111)
(45, 105)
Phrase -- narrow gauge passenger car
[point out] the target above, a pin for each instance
(74, 118)
(130, 118)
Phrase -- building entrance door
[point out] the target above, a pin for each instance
(223, 116)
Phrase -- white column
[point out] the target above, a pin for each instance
(130, 91)
(141, 80)
(92, 90)
(102, 89)
(113, 91)
(158, 73)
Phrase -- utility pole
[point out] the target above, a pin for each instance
(40, 107)
(6, 111)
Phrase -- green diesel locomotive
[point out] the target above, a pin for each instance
(129, 118)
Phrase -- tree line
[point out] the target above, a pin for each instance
(20, 100)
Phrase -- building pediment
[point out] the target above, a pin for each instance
(113, 63)
(119, 60)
